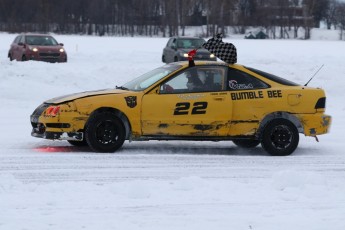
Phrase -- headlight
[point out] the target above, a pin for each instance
(52, 111)
(183, 54)
(212, 56)
(61, 50)
(56, 110)
(33, 48)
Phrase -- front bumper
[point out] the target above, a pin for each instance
(47, 57)
(66, 127)
(75, 136)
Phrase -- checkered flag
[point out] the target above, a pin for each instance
(224, 51)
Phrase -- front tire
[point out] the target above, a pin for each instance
(104, 132)
(280, 137)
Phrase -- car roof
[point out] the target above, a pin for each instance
(186, 37)
(35, 34)
(203, 63)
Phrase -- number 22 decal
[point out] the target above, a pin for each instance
(182, 108)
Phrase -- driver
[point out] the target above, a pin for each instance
(195, 79)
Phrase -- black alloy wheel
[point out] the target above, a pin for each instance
(280, 137)
(104, 132)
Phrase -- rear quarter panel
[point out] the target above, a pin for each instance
(251, 107)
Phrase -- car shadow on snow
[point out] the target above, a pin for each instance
(192, 150)
(160, 147)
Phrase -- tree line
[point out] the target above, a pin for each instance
(169, 17)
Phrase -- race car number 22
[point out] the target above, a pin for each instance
(184, 108)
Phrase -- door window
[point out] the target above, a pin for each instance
(170, 42)
(16, 40)
(196, 79)
(22, 39)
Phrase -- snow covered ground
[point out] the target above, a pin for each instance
(166, 185)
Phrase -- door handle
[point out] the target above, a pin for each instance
(219, 98)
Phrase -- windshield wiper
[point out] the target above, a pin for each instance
(121, 87)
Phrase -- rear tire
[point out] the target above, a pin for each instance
(175, 59)
(280, 137)
(104, 132)
(163, 59)
(246, 143)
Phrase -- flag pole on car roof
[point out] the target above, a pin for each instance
(191, 55)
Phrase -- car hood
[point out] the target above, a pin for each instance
(71, 97)
(199, 51)
(56, 47)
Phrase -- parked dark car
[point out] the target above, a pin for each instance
(177, 49)
(39, 47)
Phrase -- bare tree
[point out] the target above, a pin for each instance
(340, 18)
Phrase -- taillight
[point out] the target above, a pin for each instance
(53, 111)
(321, 103)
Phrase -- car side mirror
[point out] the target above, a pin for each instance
(61, 44)
(20, 43)
(173, 46)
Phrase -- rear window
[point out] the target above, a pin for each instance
(273, 77)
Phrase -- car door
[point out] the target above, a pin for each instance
(15, 48)
(20, 51)
(171, 50)
(173, 109)
(166, 49)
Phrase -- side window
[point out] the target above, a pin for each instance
(238, 80)
(177, 84)
(16, 40)
(173, 43)
(170, 42)
(196, 79)
(22, 39)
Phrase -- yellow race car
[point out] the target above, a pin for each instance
(211, 101)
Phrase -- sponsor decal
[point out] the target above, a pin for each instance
(256, 95)
(131, 101)
(234, 85)
(186, 108)
(190, 96)
(247, 95)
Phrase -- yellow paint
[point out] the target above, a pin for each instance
(223, 114)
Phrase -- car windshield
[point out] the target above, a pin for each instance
(190, 43)
(41, 40)
(147, 79)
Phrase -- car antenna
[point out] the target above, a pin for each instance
(314, 75)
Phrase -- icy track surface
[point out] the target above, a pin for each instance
(166, 185)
